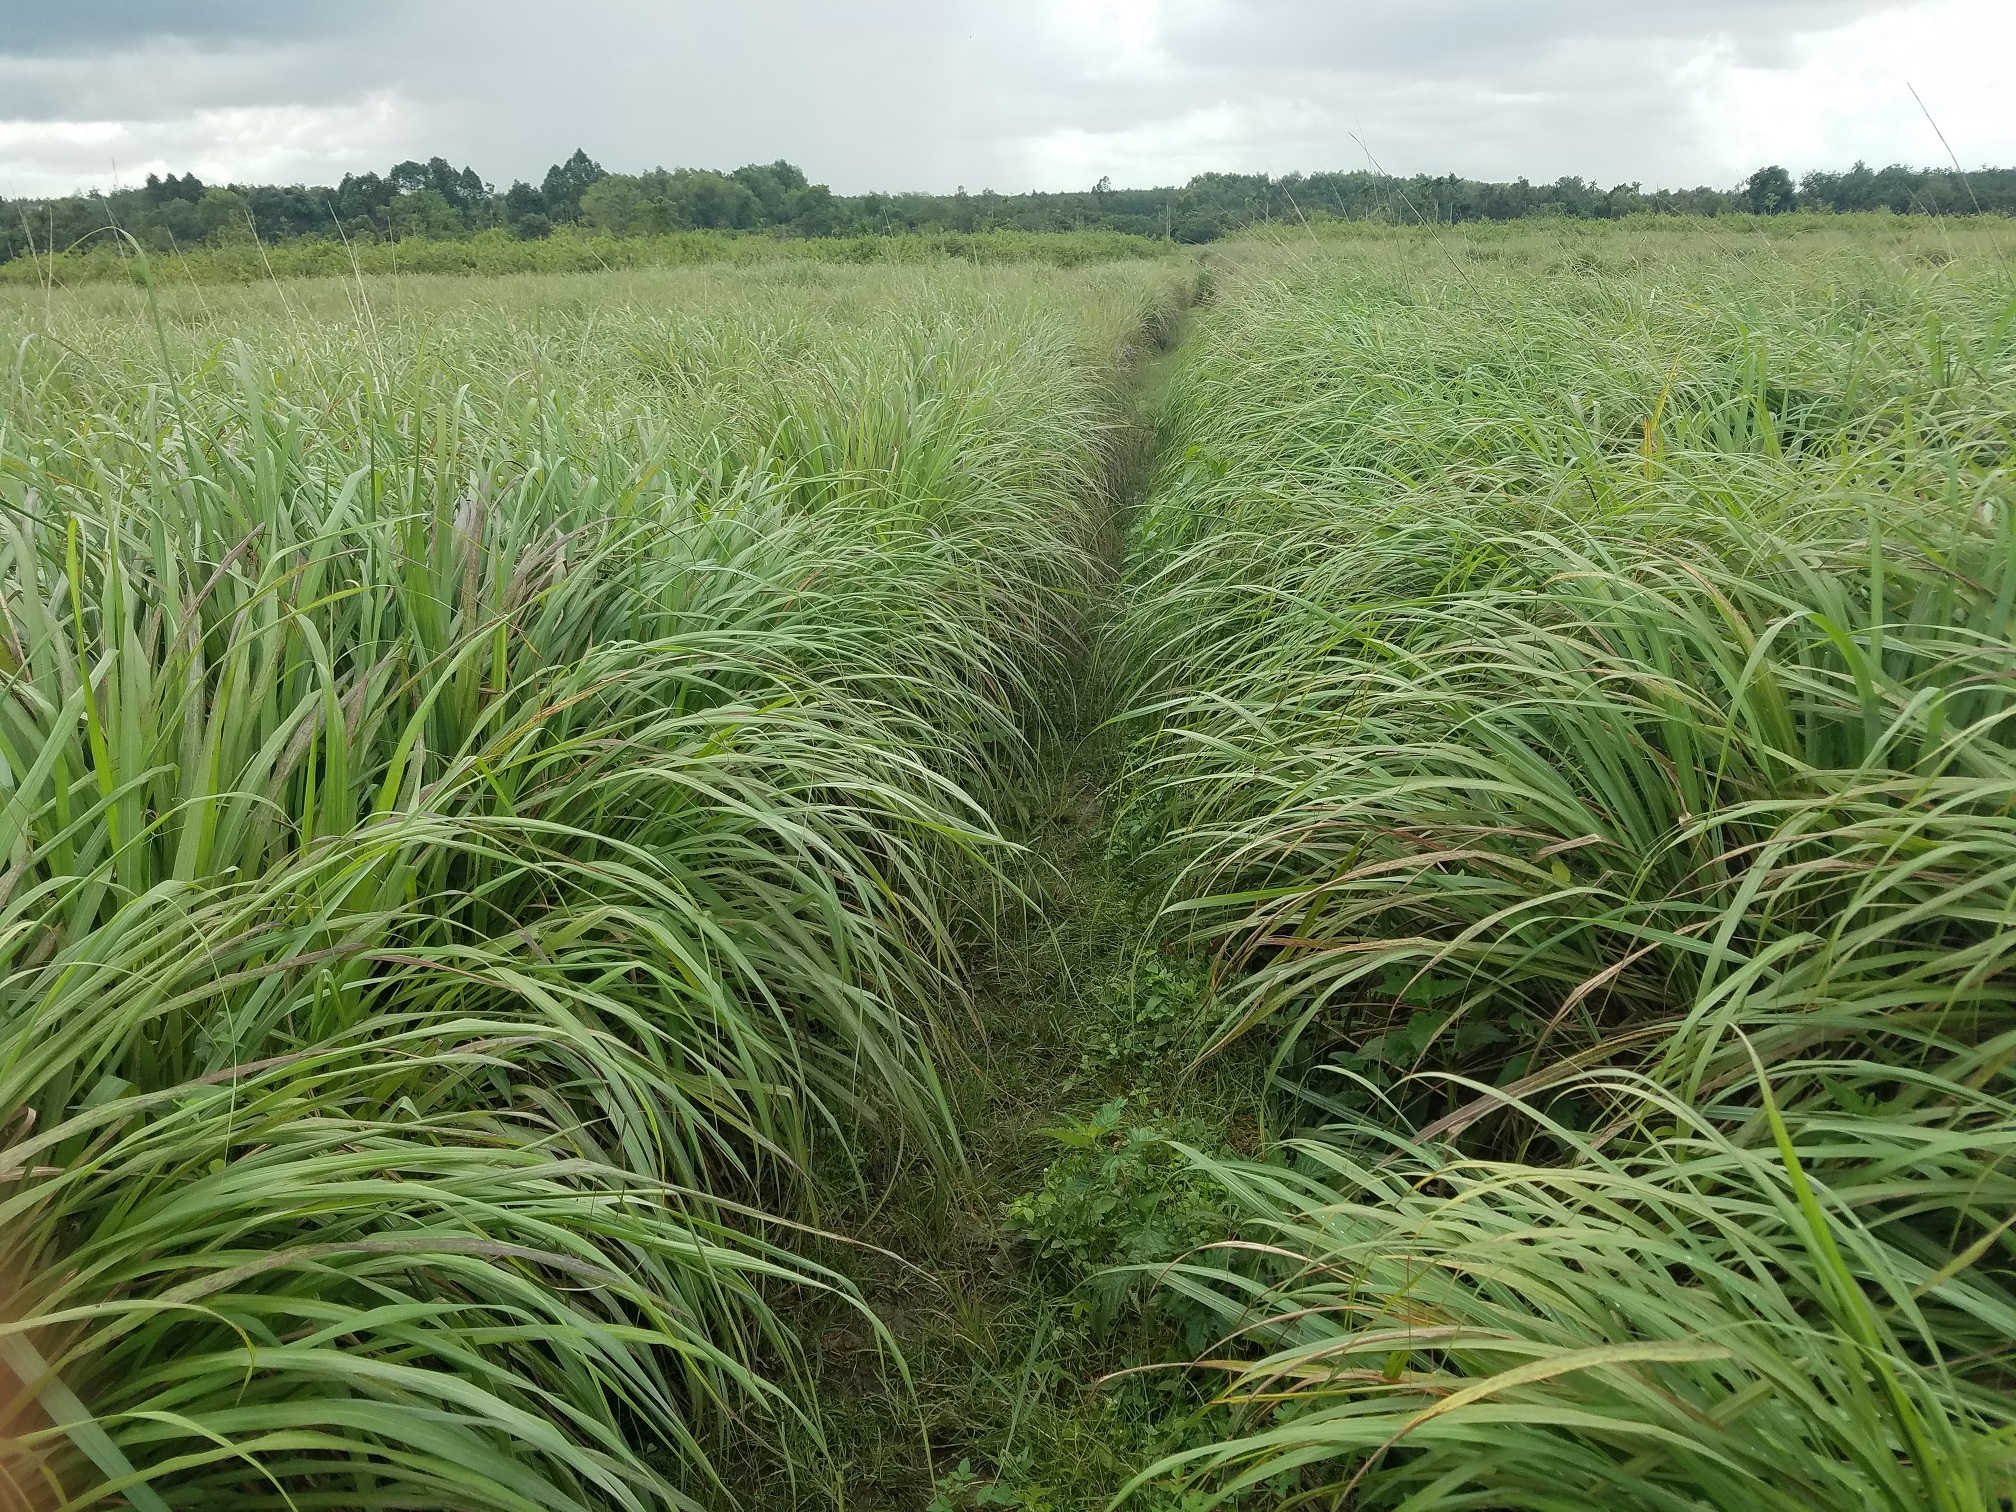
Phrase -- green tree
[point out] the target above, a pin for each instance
(223, 216)
(176, 224)
(610, 204)
(566, 182)
(715, 203)
(525, 212)
(641, 204)
(425, 213)
(1770, 191)
(814, 211)
(186, 190)
(773, 184)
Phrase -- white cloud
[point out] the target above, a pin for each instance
(1227, 136)
(1113, 34)
(1846, 94)
(246, 143)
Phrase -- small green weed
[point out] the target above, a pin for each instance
(1120, 1194)
(1147, 1018)
(964, 1489)
(1121, 1197)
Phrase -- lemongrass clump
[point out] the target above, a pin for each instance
(1543, 669)
(1698, 1308)
(486, 790)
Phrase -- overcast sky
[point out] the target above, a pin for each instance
(1008, 94)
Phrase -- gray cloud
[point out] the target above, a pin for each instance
(896, 93)
(96, 27)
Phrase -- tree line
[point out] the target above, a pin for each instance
(435, 201)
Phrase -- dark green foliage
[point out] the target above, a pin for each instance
(567, 182)
(433, 200)
(1769, 191)
(1119, 1195)
(1903, 190)
(525, 211)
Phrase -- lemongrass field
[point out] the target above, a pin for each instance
(1378, 873)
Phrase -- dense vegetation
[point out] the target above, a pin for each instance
(435, 202)
(491, 798)
(1576, 728)
(660, 888)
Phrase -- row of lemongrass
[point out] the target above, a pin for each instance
(484, 788)
(1574, 707)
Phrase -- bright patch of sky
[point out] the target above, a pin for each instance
(1847, 93)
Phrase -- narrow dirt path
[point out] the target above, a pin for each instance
(1000, 1344)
